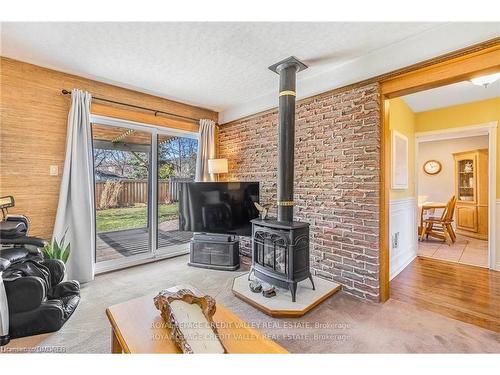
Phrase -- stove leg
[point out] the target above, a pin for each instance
(293, 290)
(312, 282)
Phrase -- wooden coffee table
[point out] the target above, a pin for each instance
(137, 327)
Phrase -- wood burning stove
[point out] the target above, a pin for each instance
(280, 253)
(280, 248)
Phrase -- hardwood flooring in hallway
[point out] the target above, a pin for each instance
(467, 293)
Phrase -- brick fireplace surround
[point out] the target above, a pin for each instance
(337, 179)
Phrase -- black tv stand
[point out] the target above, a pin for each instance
(215, 251)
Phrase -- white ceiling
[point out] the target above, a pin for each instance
(223, 66)
(446, 96)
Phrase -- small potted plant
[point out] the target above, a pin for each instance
(57, 250)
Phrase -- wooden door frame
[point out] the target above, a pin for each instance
(461, 65)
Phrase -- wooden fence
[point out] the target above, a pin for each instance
(136, 191)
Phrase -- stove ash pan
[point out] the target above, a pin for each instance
(280, 253)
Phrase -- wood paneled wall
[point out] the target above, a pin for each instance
(33, 132)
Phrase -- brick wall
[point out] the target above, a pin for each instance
(337, 185)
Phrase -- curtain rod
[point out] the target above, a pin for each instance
(67, 92)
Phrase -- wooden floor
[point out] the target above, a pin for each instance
(467, 293)
(129, 242)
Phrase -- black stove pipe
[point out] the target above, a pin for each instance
(287, 70)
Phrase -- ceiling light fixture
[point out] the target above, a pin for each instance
(485, 81)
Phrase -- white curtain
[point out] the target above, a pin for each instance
(75, 212)
(206, 150)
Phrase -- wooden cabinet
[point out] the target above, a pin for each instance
(471, 190)
(467, 218)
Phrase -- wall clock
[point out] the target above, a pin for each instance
(432, 167)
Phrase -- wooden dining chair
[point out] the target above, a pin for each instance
(440, 227)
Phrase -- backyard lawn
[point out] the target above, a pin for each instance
(131, 217)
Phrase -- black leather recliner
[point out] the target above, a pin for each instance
(39, 301)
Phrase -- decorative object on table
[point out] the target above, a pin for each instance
(399, 160)
(137, 328)
(432, 167)
(190, 320)
(255, 286)
(269, 292)
(263, 210)
(217, 166)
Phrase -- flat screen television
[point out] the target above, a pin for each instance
(218, 207)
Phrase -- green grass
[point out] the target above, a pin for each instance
(131, 217)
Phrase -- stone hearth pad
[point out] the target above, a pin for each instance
(281, 305)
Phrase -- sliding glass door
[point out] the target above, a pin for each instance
(122, 164)
(138, 171)
(176, 161)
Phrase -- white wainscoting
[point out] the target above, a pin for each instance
(403, 219)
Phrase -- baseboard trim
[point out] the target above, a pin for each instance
(403, 265)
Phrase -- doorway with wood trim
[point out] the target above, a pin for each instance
(466, 158)
(409, 285)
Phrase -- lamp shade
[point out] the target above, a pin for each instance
(217, 166)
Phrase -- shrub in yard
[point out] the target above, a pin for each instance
(116, 193)
(110, 194)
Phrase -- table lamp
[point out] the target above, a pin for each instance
(217, 166)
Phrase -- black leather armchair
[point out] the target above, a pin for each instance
(38, 299)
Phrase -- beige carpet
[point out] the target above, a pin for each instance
(342, 324)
